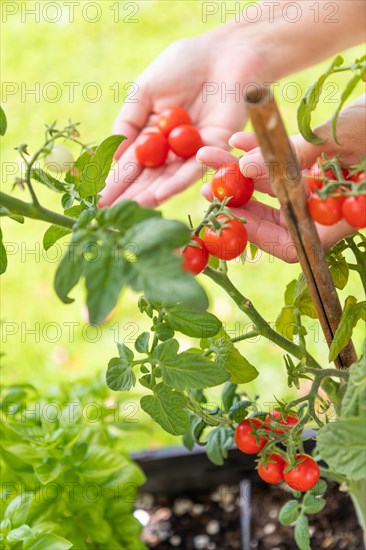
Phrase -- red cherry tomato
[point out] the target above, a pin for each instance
(185, 141)
(245, 438)
(305, 476)
(315, 177)
(230, 182)
(230, 242)
(277, 417)
(195, 258)
(151, 149)
(325, 212)
(354, 211)
(172, 117)
(358, 178)
(272, 472)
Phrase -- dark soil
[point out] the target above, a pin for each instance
(211, 521)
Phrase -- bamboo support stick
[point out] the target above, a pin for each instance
(286, 179)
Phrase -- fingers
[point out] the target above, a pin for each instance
(214, 157)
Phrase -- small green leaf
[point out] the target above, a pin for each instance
(352, 313)
(48, 471)
(44, 177)
(120, 375)
(313, 504)
(286, 322)
(229, 395)
(53, 234)
(49, 541)
(310, 101)
(3, 122)
(319, 489)
(289, 512)
(187, 370)
(93, 176)
(351, 85)
(69, 270)
(354, 400)
(219, 441)
(142, 342)
(339, 269)
(3, 257)
(342, 445)
(168, 408)
(302, 535)
(164, 331)
(192, 323)
(125, 214)
(230, 358)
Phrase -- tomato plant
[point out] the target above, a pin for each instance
(172, 117)
(185, 140)
(304, 475)
(227, 241)
(272, 470)
(151, 149)
(230, 182)
(195, 256)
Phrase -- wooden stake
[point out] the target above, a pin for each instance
(286, 179)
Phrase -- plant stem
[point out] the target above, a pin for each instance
(261, 325)
(34, 211)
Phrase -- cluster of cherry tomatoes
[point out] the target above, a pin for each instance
(337, 206)
(225, 236)
(273, 467)
(174, 131)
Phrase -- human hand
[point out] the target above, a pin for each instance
(266, 225)
(194, 74)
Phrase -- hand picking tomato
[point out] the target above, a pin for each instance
(185, 140)
(229, 242)
(245, 438)
(151, 149)
(277, 417)
(230, 182)
(327, 211)
(354, 211)
(195, 256)
(172, 117)
(272, 471)
(305, 476)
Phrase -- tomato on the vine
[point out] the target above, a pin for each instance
(185, 140)
(315, 178)
(358, 178)
(172, 117)
(229, 242)
(195, 256)
(272, 471)
(151, 149)
(306, 474)
(291, 420)
(245, 438)
(325, 211)
(230, 182)
(354, 211)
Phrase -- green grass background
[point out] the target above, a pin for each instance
(107, 52)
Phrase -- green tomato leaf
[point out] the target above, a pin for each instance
(219, 441)
(105, 276)
(241, 371)
(229, 395)
(310, 101)
(192, 323)
(289, 512)
(70, 268)
(305, 306)
(342, 445)
(161, 277)
(142, 342)
(313, 504)
(3, 122)
(49, 181)
(94, 173)
(3, 257)
(187, 370)
(157, 233)
(125, 214)
(339, 269)
(354, 400)
(53, 234)
(352, 313)
(302, 535)
(120, 375)
(168, 408)
(286, 322)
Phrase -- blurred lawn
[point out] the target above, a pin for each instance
(63, 347)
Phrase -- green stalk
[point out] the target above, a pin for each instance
(36, 212)
(264, 329)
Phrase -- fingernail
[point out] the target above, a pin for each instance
(251, 165)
